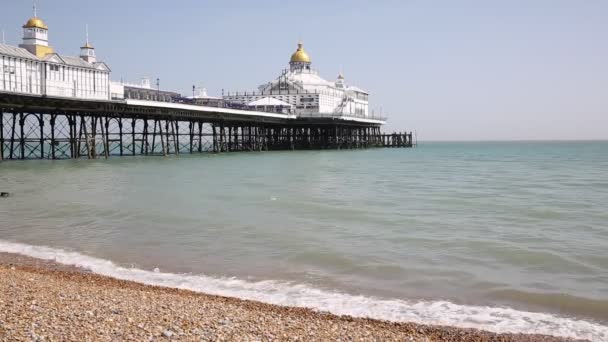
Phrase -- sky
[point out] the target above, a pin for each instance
(447, 70)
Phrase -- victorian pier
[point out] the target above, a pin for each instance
(42, 127)
(56, 106)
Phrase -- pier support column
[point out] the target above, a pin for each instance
(120, 139)
(40, 118)
(13, 130)
(1, 134)
(53, 142)
(222, 136)
(162, 138)
(133, 140)
(22, 136)
(215, 149)
(200, 137)
(191, 134)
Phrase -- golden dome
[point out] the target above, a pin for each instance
(300, 55)
(35, 22)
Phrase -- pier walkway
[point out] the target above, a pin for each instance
(42, 127)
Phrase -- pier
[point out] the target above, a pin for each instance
(44, 127)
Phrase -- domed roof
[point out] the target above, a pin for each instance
(35, 22)
(300, 55)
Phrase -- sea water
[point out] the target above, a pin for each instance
(503, 236)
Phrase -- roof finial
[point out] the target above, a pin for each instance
(3, 39)
(34, 8)
(86, 27)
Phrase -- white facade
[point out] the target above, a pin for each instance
(117, 88)
(35, 36)
(34, 68)
(73, 77)
(20, 71)
(309, 93)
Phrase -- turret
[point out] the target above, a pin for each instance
(36, 37)
(340, 81)
(87, 51)
(300, 59)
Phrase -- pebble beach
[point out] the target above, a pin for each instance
(46, 301)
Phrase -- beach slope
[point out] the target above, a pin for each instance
(41, 300)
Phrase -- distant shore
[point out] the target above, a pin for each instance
(45, 300)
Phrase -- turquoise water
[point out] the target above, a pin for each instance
(503, 236)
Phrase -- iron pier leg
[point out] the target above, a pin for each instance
(175, 126)
(145, 144)
(191, 130)
(154, 137)
(200, 137)
(214, 138)
(133, 141)
(222, 133)
(41, 124)
(162, 141)
(53, 118)
(104, 136)
(1, 134)
(236, 138)
(120, 139)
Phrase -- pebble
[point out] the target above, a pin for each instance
(86, 311)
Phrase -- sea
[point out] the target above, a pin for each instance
(501, 236)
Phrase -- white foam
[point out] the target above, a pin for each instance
(500, 320)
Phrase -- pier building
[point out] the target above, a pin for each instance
(34, 67)
(307, 93)
(54, 106)
(140, 91)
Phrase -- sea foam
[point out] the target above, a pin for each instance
(495, 319)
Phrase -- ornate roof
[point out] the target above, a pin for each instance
(300, 55)
(35, 22)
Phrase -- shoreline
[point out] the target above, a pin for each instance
(43, 298)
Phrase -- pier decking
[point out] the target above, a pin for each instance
(42, 127)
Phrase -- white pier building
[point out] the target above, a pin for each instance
(35, 68)
(302, 91)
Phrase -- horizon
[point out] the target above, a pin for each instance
(470, 72)
(516, 140)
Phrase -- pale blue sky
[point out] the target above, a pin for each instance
(451, 70)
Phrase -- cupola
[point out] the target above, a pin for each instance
(300, 59)
(87, 51)
(36, 36)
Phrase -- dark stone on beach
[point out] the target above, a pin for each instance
(4, 194)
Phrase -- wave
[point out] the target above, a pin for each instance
(495, 319)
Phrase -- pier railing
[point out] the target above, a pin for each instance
(378, 118)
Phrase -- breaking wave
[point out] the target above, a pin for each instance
(495, 319)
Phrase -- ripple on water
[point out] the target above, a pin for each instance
(433, 222)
